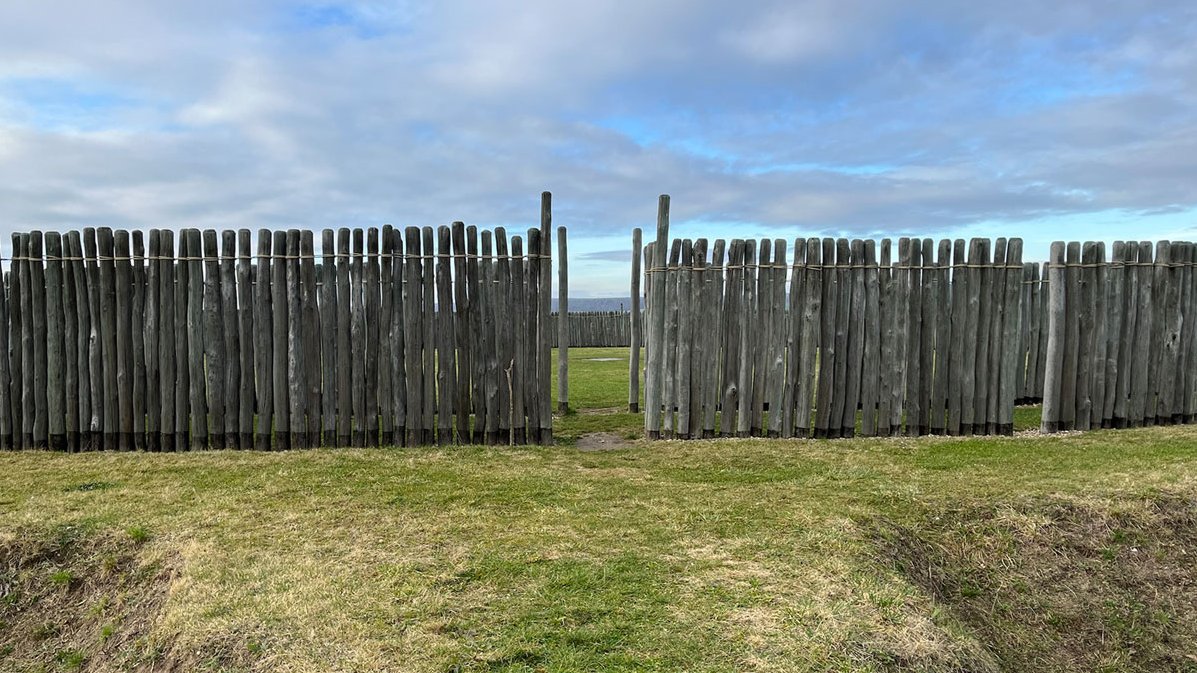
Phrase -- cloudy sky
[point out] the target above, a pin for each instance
(1066, 119)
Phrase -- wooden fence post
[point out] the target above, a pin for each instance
(563, 325)
(1053, 385)
(634, 317)
(168, 363)
(653, 391)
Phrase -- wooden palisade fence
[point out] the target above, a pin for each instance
(931, 341)
(1122, 343)
(387, 336)
(594, 329)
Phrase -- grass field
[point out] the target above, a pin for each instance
(1073, 553)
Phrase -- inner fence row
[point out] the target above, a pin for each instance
(595, 329)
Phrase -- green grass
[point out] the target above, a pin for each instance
(727, 555)
(598, 393)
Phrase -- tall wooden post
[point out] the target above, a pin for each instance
(562, 322)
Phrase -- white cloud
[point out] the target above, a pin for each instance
(465, 110)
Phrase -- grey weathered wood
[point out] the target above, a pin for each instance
(28, 329)
(102, 351)
(214, 350)
(1030, 390)
(1011, 356)
(463, 336)
(413, 336)
(684, 339)
(839, 402)
(17, 328)
(744, 405)
(972, 339)
(533, 404)
(124, 341)
(653, 389)
(279, 308)
(871, 324)
(357, 337)
(53, 340)
(762, 317)
(370, 303)
(1053, 376)
(296, 367)
(328, 325)
(83, 339)
(386, 367)
(264, 345)
(1072, 296)
(543, 353)
(793, 344)
(777, 338)
(1190, 347)
(563, 328)
(1026, 304)
(70, 338)
(984, 335)
(182, 292)
(328, 337)
(1159, 281)
(669, 360)
(885, 375)
(854, 302)
(712, 373)
(345, 352)
(1183, 400)
(1100, 339)
(827, 342)
(517, 375)
(196, 341)
(911, 306)
(732, 299)
(37, 287)
(444, 326)
(490, 384)
(526, 346)
(634, 317)
(1169, 332)
(997, 314)
(928, 328)
(247, 345)
(137, 334)
(1085, 308)
(230, 337)
(153, 308)
(956, 359)
(310, 336)
(941, 302)
(701, 322)
(1041, 361)
(504, 300)
(428, 288)
(477, 342)
(6, 403)
(910, 319)
(1115, 402)
(398, 370)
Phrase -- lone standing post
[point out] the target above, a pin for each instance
(652, 382)
(562, 323)
(634, 353)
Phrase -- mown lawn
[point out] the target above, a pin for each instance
(935, 554)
